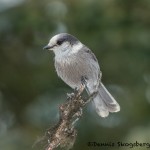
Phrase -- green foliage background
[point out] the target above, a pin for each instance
(117, 31)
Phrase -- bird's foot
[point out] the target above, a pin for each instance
(76, 90)
(84, 82)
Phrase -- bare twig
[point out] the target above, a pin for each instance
(64, 134)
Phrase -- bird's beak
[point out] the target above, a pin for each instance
(48, 47)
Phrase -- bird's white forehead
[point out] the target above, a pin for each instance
(54, 39)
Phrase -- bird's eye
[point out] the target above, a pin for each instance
(59, 42)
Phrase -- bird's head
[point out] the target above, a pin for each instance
(63, 43)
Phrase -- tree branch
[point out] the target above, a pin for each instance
(64, 134)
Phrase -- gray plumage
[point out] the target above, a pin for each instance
(73, 60)
(73, 67)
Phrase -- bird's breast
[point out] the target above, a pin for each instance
(71, 70)
(68, 71)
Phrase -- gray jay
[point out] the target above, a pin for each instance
(75, 63)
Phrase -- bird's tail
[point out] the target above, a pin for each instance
(104, 102)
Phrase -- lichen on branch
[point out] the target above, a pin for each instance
(64, 134)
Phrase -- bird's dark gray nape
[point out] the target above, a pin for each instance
(65, 37)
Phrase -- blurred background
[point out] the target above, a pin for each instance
(117, 31)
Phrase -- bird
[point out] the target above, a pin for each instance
(76, 64)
